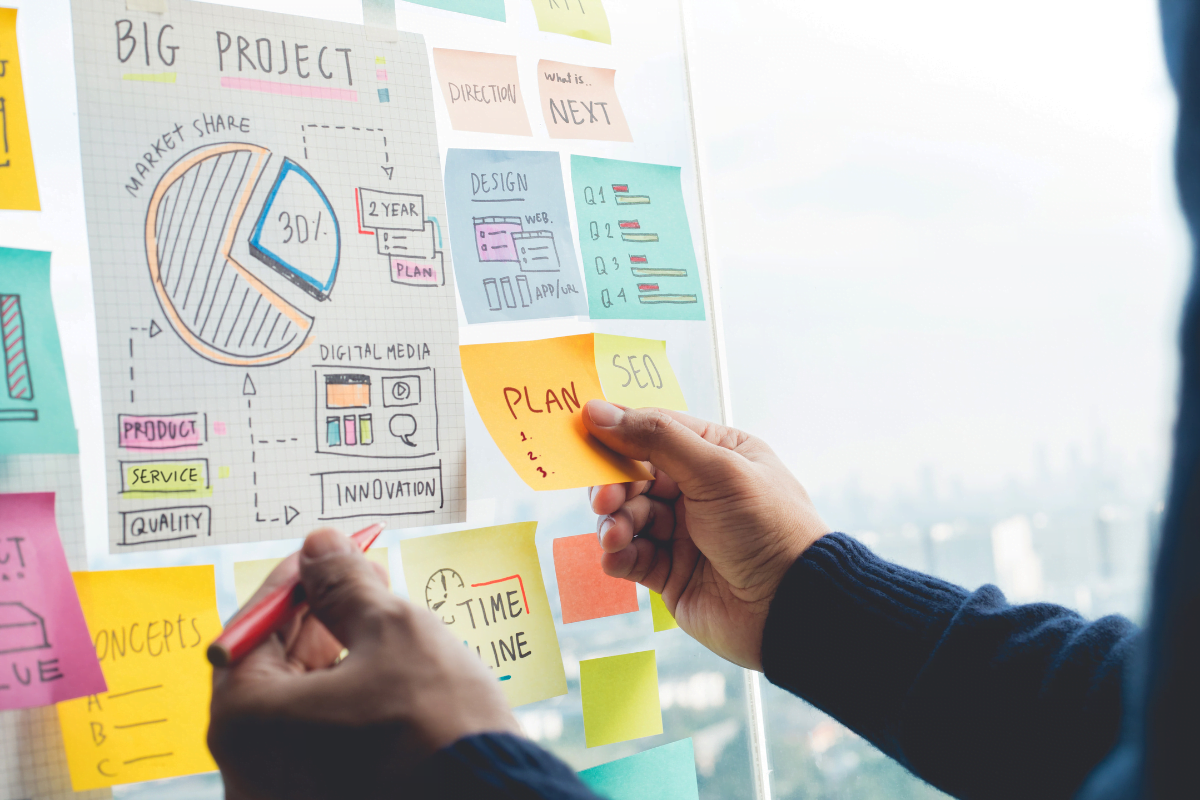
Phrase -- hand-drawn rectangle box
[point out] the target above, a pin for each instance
(171, 524)
(410, 272)
(21, 629)
(494, 237)
(161, 431)
(165, 476)
(400, 404)
(381, 493)
(408, 244)
(536, 251)
(394, 211)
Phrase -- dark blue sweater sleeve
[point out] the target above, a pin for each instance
(980, 698)
(497, 766)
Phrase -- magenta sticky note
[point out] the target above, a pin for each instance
(46, 653)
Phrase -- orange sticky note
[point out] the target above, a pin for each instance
(530, 396)
(584, 591)
(18, 184)
(482, 91)
(581, 102)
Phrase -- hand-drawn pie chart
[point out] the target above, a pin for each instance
(219, 307)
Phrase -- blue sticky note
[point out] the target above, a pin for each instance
(35, 408)
(384, 96)
(514, 255)
(488, 9)
(663, 773)
(635, 239)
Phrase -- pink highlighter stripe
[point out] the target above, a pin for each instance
(272, 87)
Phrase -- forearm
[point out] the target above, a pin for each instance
(500, 766)
(978, 697)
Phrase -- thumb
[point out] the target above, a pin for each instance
(344, 591)
(696, 454)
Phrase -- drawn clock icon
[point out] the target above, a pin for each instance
(440, 590)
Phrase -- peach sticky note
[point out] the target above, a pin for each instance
(529, 395)
(620, 698)
(486, 586)
(584, 591)
(18, 184)
(581, 102)
(249, 575)
(45, 651)
(482, 91)
(150, 628)
(583, 19)
(636, 373)
(663, 621)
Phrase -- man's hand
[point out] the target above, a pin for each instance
(288, 723)
(713, 533)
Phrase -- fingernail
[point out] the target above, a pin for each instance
(325, 543)
(602, 528)
(605, 415)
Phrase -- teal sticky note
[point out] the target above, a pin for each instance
(379, 13)
(664, 773)
(488, 9)
(638, 258)
(35, 408)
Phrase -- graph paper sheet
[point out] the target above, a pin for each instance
(33, 763)
(274, 298)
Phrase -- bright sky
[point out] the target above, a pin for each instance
(946, 231)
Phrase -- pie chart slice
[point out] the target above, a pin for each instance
(220, 309)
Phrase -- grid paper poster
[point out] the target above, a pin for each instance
(512, 236)
(274, 298)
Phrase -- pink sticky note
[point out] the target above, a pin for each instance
(219, 428)
(583, 589)
(46, 653)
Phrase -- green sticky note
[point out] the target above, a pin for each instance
(663, 621)
(638, 257)
(35, 408)
(620, 698)
(663, 773)
(488, 9)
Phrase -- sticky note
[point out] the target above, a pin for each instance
(632, 218)
(249, 575)
(150, 628)
(529, 395)
(482, 91)
(663, 621)
(18, 184)
(45, 651)
(583, 19)
(486, 585)
(584, 590)
(35, 408)
(620, 698)
(487, 9)
(636, 372)
(581, 102)
(511, 235)
(663, 773)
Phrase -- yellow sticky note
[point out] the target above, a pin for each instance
(150, 628)
(636, 373)
(486, 585)
(249, 575)
(18, 184)
(620, 698)
(529, 395)
(583, 19)
(663, 621)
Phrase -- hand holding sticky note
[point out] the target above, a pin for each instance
(530, 396)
